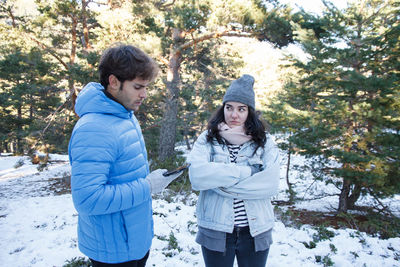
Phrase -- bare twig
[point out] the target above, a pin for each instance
(53, 115)
(384, 207)
(308, 188)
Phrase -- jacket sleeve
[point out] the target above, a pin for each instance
(205, 175)
(92, 152)
(261, 185)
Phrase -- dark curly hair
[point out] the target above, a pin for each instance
(254, 126)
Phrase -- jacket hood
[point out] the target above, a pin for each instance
(93, 100)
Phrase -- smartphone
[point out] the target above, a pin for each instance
(179, 169)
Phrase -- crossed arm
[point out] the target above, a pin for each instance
(232, 180)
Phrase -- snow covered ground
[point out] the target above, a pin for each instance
(38, 225)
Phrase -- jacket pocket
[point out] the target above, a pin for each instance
(124, 232)
(138, 225)
(208, 206)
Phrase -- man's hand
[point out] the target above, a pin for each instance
(158, 181)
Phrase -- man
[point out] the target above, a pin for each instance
(110, 181)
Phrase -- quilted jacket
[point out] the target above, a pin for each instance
(109, 165)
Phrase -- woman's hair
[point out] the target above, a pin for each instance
(254, 126)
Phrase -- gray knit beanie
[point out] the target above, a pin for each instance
(241, 90)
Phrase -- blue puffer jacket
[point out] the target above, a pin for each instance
(109, 165)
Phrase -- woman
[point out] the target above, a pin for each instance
(235, 165)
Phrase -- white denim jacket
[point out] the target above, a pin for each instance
(220, 181)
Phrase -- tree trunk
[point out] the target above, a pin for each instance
(168, 130)
(170, 118)
(13, 147)
(73, 40)
(72, 55)
(20, 149)
(355, 195)
(85, 26)
(344, 196)
(291, 192)
(6, 147)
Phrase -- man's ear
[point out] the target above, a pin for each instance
(113, 83)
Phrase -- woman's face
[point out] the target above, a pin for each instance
(235, 113)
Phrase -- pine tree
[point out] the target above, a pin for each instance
(64, 30)
(61, 33)
(342, 107)
(27, 98)
(182, 26)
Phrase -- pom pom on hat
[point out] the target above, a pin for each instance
(241, 90)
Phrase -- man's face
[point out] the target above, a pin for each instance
(129, 93)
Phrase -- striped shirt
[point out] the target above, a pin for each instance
(238, 204)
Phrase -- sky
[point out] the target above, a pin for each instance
(314, 6)
(308, 5)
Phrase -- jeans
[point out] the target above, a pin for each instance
(135, 263)
(240, 244)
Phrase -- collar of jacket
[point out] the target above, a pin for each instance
(226, 143)
(92, 99)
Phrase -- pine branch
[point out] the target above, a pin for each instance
(52, 117)
(48, 49)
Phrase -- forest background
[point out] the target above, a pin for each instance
(336, 100)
